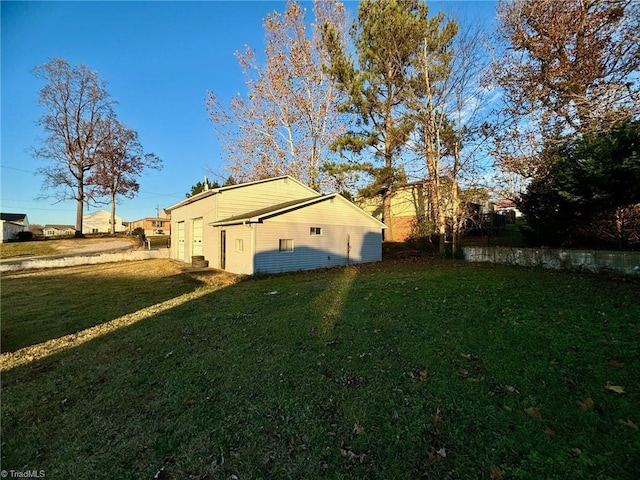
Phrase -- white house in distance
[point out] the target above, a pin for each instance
(273, 225)
(58, 230)
(100, 222)
(12, 224)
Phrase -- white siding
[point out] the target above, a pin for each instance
(238, 201)
(337, 211)
(227, 203)
(100, 222)
(9, 231)
(238, 262)
(348, 234)
(314, 251)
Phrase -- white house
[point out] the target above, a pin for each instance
(58, 230)
(12, 224)
(273, 225)
(100, 222)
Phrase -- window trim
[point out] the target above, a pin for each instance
(315, 231)
(285, 249)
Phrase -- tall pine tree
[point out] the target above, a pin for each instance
(378, 86)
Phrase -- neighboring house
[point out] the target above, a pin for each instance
(273, 225)
(410, 204)
(505, 207)
(151, 226)
(100, 222)
(59, 230)
(12, 224)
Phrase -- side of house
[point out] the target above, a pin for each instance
(12, 225)
(321, 232)
(273, 225)
(151, 226)
(190, 238)
(410, 205)
(100, 222)
(58, 230)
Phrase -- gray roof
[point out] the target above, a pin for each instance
(59, 227)
(12, 217)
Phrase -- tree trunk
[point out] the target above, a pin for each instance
(113, 214)
(79, 209)
(387, 235)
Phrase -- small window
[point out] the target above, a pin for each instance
(286, 245)
(239, 245)
(315, 231)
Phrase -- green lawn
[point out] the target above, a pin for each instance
(430, 369)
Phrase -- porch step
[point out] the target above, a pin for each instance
(198, 261)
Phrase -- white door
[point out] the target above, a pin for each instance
(196, 237)
(181, 241)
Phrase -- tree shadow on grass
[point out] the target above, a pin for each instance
(47, 305)
(280, 378)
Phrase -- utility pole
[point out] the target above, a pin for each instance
(157, 211)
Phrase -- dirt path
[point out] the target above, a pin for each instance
(89, 245)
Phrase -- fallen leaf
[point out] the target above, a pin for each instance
(463, 372)
(614, 388)
(615, 364)
(358, 429)
(442, 452)
(433, 456)
(549, 431)
(495, 473)
(436, 418)
(586, 404)
(466, 355)
(419, 374)
(628, 423)
(532, 412)
(576, 452)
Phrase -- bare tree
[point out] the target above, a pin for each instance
(449, 106)
(289, 117)
(120, 160)
(430, 107)
(75, 101)
(569, 67)
(465, 137)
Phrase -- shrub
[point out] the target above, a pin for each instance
(24, 236)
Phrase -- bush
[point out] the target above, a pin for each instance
(589, 195)
(24, 236)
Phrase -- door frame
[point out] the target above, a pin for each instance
(223, 249)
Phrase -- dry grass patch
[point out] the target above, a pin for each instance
(52, 303)
(67, 245)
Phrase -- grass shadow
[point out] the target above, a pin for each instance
(43, 305)
(437, 369)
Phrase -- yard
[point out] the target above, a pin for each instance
(65, 245)
(422, 369)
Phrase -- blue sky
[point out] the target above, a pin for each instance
(159, 59)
